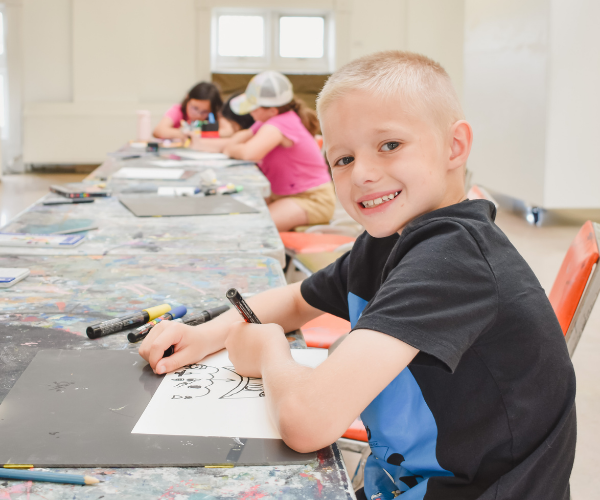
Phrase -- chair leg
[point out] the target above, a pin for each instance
(358, 480)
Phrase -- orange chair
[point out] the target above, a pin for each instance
(312, 242)
(577, 284)
(324, 330)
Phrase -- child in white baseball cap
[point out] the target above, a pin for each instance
(282, 142)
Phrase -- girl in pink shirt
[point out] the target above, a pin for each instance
(282, 142)
(199, 102)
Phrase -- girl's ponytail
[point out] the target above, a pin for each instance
(307, 116)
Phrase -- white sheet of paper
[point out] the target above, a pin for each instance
(201, 155)
(149, 173)
(167, 163)
(210, 399)
(177, 163)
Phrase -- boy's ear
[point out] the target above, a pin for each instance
(461, 138)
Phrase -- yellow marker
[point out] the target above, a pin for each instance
(228, 466)
(18, 466)
(156, 311)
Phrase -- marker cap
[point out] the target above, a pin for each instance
(156, 311)
(178, 312)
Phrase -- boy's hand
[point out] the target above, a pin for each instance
(192, 343)
(248, 345)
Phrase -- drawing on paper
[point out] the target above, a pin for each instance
(198, 380)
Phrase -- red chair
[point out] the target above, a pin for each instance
(577, 284)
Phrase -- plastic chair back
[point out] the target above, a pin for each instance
(577, 271)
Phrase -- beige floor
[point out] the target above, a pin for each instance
(544, 249)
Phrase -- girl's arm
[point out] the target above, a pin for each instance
(166, 130)
(217, 145)
(284, 306)
(258, 146)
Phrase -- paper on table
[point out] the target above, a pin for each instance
(201, 155)
(149, 173)
(177, 163)
(210, 399)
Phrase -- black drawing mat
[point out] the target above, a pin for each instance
(170, 206)
(77, 409)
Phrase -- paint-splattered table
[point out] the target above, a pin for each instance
(120, 232)
(325, 479)
(63, 294)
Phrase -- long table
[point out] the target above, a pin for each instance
(119, 271)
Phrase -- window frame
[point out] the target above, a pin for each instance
(272, 59)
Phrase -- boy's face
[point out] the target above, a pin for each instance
(389, 166)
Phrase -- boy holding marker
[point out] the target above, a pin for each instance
(456, 362)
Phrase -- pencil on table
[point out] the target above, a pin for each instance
(50, 477)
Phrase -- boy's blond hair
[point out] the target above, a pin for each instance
(421, 83)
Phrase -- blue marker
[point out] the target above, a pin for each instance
(141, 332)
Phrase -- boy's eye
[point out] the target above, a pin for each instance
(344, 161)
(389, 146)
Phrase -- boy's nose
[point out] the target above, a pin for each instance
(364, 172)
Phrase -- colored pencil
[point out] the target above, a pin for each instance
(50, 477)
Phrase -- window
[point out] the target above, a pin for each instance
(250, 41)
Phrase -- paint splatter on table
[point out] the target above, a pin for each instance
(120, 232)
(70, 293)
(324, 479)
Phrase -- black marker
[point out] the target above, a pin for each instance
(125, 322)
(240, 304)
(65, 201)
(197, 319)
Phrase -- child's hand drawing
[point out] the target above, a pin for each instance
(247, 343)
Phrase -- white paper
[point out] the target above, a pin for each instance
(177, 163)
(167, 163)
(149, 173)
(210, 399)
(201, 155)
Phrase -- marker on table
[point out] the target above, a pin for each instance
(198, 319)
(68, 201)
(50, 477)
(124, 322)
(141, 332)
(240, 304)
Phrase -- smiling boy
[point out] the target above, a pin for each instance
(456, 362)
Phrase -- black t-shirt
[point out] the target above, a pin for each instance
(486, 409)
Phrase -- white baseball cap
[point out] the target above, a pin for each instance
(269, 89)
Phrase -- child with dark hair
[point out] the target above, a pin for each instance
(202, 100)
(237, 122)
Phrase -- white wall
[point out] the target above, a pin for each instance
(573, 131)
(506, 65)
(89, 65)
(531, 89)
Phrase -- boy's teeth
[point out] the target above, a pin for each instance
(379, 201)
